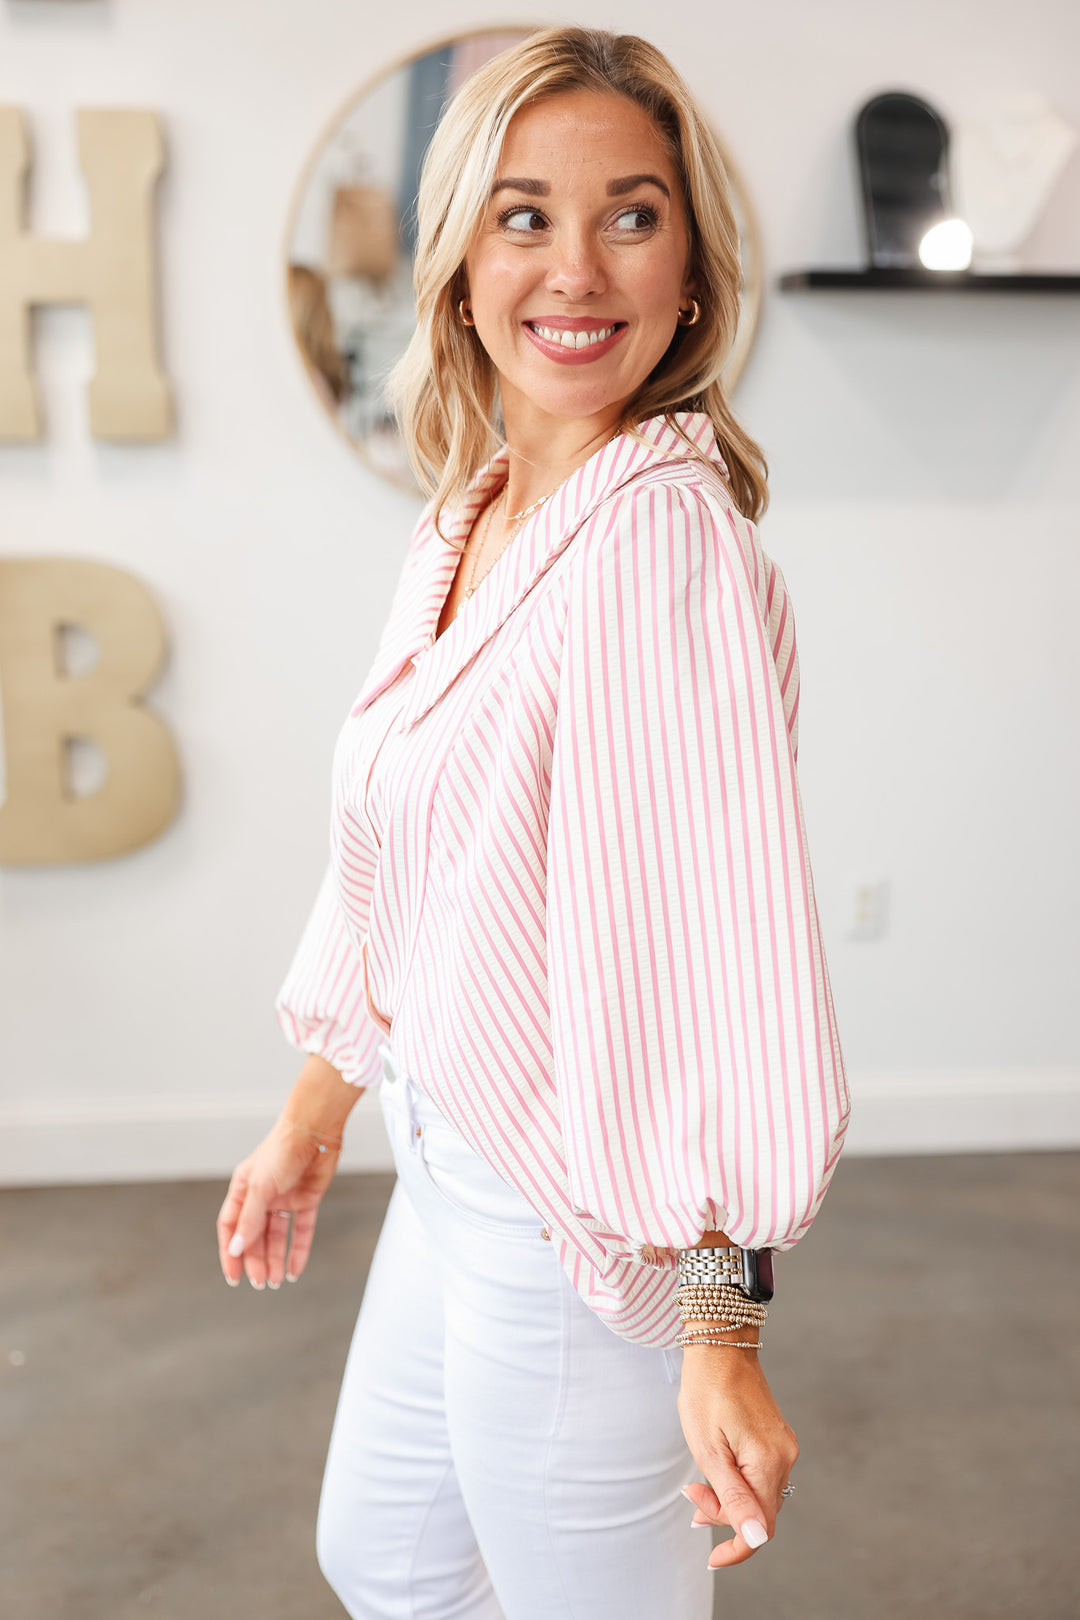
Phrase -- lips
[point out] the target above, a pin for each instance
(574, 342)
(572, 338)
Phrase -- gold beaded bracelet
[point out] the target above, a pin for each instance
(727, 1301)
(732, 1344)
(725, 1317)
(711, 1291)
(720, 1303)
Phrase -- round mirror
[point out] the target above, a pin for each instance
(351, 235)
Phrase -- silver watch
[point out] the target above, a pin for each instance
(748, 1269)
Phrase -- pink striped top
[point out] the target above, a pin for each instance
(569, 874)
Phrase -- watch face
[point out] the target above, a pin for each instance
(758, 1274)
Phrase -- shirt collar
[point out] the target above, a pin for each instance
(663, 442)
(409, 636)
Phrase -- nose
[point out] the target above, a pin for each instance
(576, 269)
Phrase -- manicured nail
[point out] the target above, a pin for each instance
(257, 1285)
(289, 1277)
(236, 1244)
(695, 1522)
(270, 1284)
(233, 1282)
(753, 1533)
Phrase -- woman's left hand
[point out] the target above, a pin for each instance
(739, 1439)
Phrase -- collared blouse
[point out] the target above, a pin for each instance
(569, 879)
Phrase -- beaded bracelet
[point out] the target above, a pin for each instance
(732, 1318)
(710, 1291)
(716, 1322)
(719, 1322)
(705, 1334)
(727, 1299)
(732, 1344)
(720, 1302)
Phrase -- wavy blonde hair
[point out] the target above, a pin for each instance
(444, 388)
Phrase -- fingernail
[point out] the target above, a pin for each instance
(753, 1533)
(698, 1524)
(256, 1285)
(684, 1492)
(236, 1244)
(289, 1277)
(233, 1282)
(270, 1284)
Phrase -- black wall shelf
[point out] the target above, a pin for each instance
(929, 281)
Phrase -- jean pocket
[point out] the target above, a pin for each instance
(476, 1192)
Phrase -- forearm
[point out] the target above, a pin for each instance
(321, 1101)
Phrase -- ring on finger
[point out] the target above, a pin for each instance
(788, 1490)
(286, 1212)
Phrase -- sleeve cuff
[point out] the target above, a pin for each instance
(358, 1063)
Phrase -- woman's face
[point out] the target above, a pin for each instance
(585, 233)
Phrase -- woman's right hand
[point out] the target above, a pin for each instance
(287, 1171)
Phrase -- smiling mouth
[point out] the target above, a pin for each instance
(574, 340)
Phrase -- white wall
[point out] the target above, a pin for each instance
(923, 456)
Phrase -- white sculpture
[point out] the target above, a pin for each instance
(1004, 167)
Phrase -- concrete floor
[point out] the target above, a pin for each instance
(164, 1434)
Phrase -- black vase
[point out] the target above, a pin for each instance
(903, 147)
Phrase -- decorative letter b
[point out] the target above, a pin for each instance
(41, 823)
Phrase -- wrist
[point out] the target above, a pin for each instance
(325, 1141)
(721, 1300)
(712, 1364)
(320, 1102)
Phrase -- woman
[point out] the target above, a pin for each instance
(569, 924)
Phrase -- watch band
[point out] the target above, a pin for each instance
(748, 1269)
(711, 1265)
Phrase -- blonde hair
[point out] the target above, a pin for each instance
(443, 389)
(314, 328)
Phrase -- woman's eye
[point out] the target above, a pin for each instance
(641, 219)
(515, 214)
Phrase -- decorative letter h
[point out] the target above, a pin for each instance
(111, 271)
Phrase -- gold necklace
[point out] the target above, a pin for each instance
(488, 516)
(524, 514)
(517, 519)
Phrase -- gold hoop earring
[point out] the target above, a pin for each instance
(694, 317)
(465, 313)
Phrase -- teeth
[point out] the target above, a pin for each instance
(572, 340)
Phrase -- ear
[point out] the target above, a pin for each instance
(689, 288)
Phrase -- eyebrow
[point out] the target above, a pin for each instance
(616, 188)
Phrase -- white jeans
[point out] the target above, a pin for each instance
(498, 1453)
